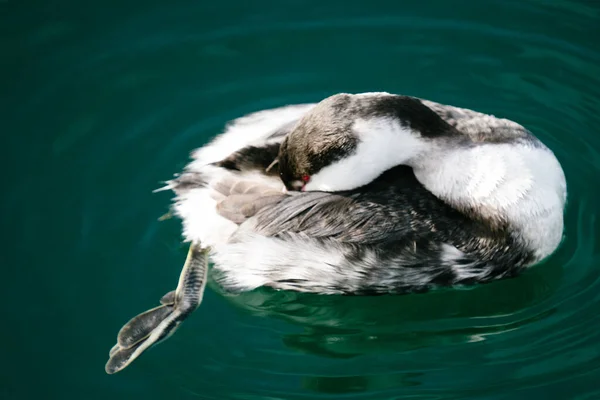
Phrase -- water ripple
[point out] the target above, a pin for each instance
(520, 334)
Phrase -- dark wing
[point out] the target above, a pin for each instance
(395, 207)
(393, 228)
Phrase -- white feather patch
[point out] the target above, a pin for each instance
(247, 130)
(197, 209)
(383, 144)
(520, 182)
(253, 261)
(455, 259)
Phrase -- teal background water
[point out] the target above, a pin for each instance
(100, 101)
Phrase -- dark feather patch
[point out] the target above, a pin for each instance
(398, 221)
(252, 158)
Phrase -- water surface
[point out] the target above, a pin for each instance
(103, 100)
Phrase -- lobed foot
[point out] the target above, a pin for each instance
(157, 324)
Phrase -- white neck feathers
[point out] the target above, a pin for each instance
(383, 144)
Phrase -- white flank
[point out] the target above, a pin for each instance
(253, 261)
(520, 182)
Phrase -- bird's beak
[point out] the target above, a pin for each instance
(272, 165)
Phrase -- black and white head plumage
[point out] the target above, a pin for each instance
(326, 134)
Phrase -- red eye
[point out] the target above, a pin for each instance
(305, 178)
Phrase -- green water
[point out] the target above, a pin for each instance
(101, 101)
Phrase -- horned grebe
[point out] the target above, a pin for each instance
(359, 194)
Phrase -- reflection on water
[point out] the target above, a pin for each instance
(350, 326)
(102, 101)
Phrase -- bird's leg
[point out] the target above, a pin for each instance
(157, 324)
